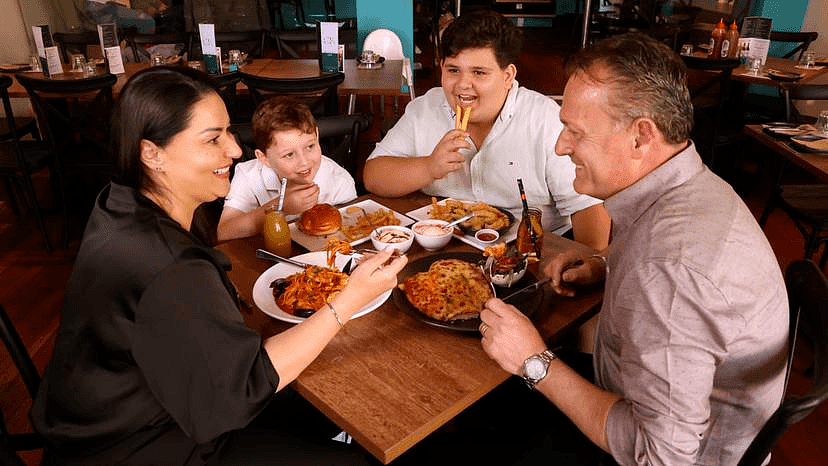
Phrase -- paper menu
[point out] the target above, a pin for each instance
(111, 47)
(755, 37)
(329, 46)
(207, 33)
(47, 50)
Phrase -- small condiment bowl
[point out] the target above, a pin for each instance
(401, 246)
(487, 236)
(504, 278)
(432, 242)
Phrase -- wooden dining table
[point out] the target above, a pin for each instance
(388, 379)
(381, 81)
(814, 163)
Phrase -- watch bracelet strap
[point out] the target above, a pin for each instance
(548, 356)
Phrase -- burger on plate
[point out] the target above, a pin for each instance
(320, 220)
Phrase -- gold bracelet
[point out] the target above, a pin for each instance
(335, 314)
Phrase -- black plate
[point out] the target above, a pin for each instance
(783, 75)
(795, 142)
(471, 231)
(528, 303)
(6, 68)
(781, 130)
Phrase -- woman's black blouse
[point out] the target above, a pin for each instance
(152, 352)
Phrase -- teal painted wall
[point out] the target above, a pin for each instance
(787, 15)
(396, 15)
(344, 8)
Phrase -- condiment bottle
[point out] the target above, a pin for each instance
(732, 39)
(531, 219)
(276, 232)
(716, 39)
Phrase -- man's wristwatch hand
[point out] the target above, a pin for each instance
(535, 367)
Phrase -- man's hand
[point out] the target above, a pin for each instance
(446, 156)
(572, 267)
(508, 335)
(300, 197)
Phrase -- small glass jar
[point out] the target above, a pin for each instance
(156, 60)
(687, 49)
(808, 60)
(234, 60)
(78, 64)
(276, 232)
(35, 62)
(821, 124)
(531, 219)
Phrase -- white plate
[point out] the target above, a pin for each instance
(318, 243)
(424, 213)
(263, 294)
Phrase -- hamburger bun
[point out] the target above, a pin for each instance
(320, 220)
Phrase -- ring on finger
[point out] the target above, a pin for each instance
(483, 328)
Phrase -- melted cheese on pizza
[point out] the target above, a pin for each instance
(451, 289)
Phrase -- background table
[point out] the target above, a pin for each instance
(816, 164)
(388, 379)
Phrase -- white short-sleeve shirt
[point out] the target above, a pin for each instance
(255, 184)
(521, 144)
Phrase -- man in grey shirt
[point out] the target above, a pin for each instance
(690, 348)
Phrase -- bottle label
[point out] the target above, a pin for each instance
(725, 47)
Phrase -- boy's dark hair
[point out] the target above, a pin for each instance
(483, 28)
(280, 114)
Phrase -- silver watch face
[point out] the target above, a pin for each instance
(535, 368)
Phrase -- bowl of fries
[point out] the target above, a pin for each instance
(394, 237)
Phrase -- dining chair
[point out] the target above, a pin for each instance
(226, 84)
(716, 124)
(318, 92)
(75, 118)
(808, 298)
(19, 159)
(276, 9)
(141, 42)
(802, 39)
(71, 43)
(11, 443)
(339, 138)
(805, 204)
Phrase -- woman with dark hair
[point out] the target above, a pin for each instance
(153, 363)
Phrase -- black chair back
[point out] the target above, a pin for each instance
(710, 87)
(339, 136)
(803, 39)
(792, 92)
(808, 297)
(226, 85)
(71, 43)
(318, 92)
(75, 116)
(11, 443)
(19, 159)
(140, 42)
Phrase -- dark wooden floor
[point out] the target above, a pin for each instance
(33, 281)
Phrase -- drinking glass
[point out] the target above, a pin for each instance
(276, 232)
(78, 64)
(808, 60)
(35, 61)
(821, 124)
(687, 49)
(754, 66)
(156, 60)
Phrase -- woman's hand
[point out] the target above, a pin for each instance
(300, 197)
(370, 279)
(572, 267)
(446, 156)
(509, 337)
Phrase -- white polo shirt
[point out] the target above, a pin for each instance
(255, 184)
(521, 144)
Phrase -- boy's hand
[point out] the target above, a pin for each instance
(300, 197)
(446, 156)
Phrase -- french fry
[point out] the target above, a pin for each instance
(457, 118)
(466, 115)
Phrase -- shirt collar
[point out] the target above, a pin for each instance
(626, 206)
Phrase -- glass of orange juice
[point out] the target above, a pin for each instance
(276, 232)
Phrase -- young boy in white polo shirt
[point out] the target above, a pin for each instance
(286, 130)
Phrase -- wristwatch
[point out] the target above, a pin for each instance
(535, 367)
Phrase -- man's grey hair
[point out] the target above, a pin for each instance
(646, 79)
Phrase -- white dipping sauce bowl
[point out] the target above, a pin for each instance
(432, 242)
(401, 246)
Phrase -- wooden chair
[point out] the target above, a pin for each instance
(19, 159)
(10, 443)
(75, 117)
(71, 43)
(805, 204)
(802, 39)
(808, 298)
(319, 92)
(140, 42)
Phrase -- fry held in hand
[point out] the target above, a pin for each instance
(461, 118)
